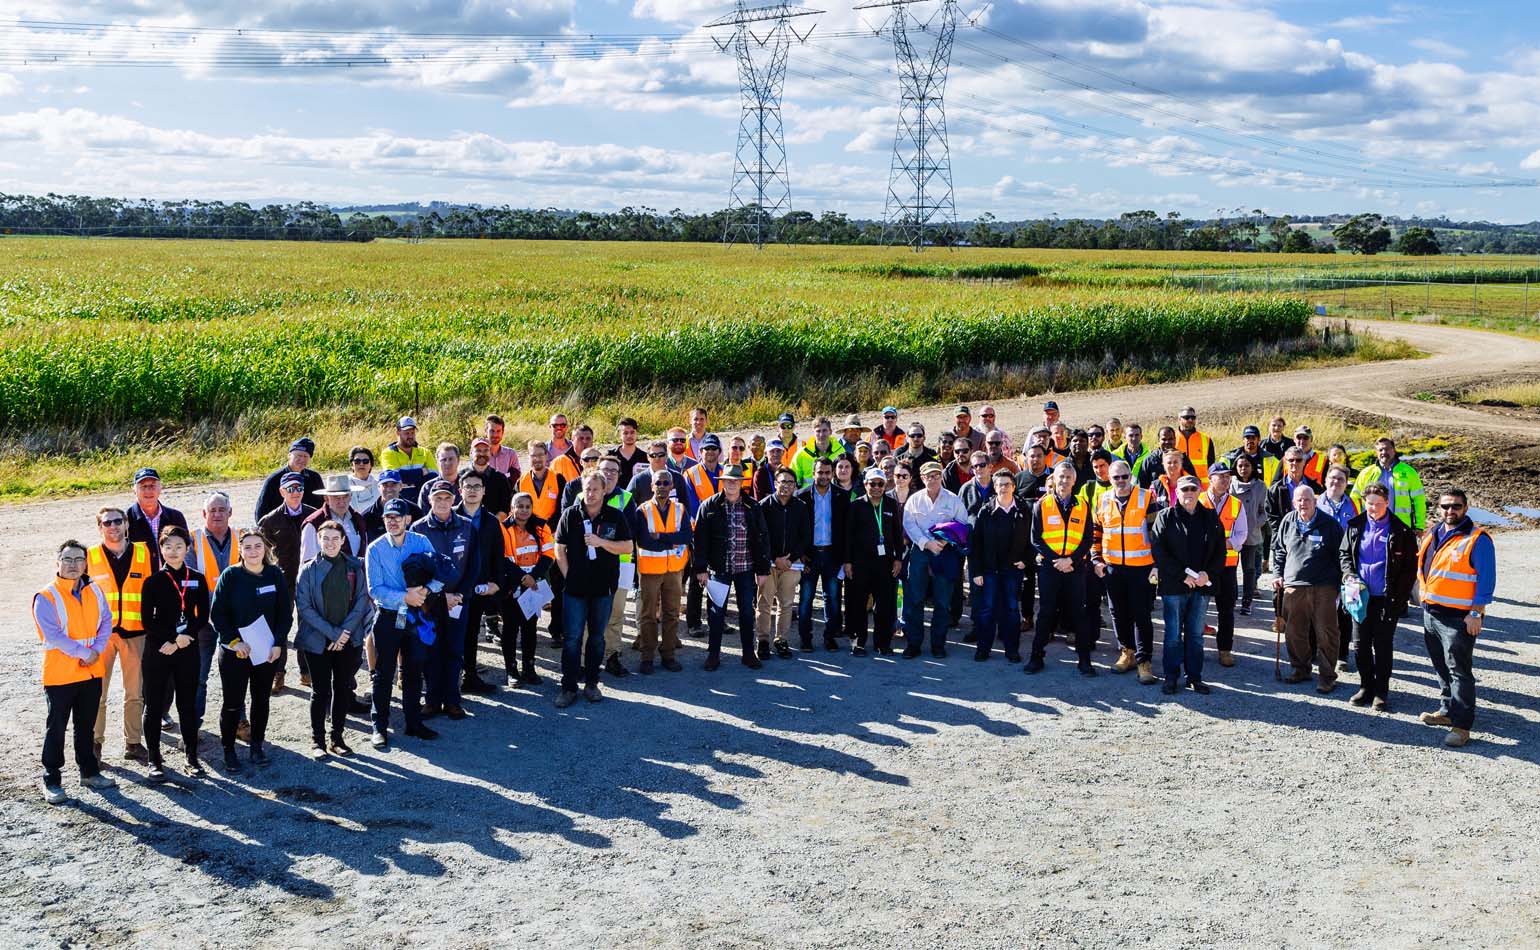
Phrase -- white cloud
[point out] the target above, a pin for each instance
(9, 85)
(1365, 22)
(1439, 48)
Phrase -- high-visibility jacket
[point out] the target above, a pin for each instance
(526, 547)
(126, 603)
(1198, 448)
(1125, 538)
(790, 448)
(1448, 578)
(1407, 499)
(1227, 516)
(1054, 457)
(703, 484)
(675, 558)
(1271, 466)
(203, 553)
(1315, 467)
(1062, 535)
(547, 496)
(80, 619)
(564, 466)
(1167, 488)
(1093, 490)
(412, 465)
(619, 501)
(806, 460)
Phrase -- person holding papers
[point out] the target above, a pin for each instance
(251, 612)
(732, 555)
(176, 609)
(528, 552)
(590, 538)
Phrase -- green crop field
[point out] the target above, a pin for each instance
(204, 356)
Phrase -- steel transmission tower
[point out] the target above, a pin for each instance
(920, 207)
(761, 189)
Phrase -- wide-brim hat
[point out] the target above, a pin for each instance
(336, 485)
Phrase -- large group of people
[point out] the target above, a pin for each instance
(403, 565)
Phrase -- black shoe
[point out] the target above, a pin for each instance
(422, 732)
(970, 637)
(979, 657)
(614, 667)
(783, 649)
(831, 645)
(428, 712)
(232, 762)
(259, 755)
(530, 678)
(195, 767)
(479, 687)
(646, 668)
(806, 646)
(911, 651)
(713, 661)
(1086, 669)
(1013, 658)
(938, 652)
(455, 713)
(556, 643)
(1168, 687)
(1245, 610)
(858, 650)
(751, 661)
(157, 773)
(1034, 665)
(358, 707)
(1198, 686)
(764, 649)
(887, 651)
(696, 631)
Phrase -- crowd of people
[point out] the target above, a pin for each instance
(409, 561)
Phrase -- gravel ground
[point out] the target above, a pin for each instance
(826, 801)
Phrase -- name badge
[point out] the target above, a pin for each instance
(459, 549)
(269, 589)
(181, 629)
(882, 549)
(135, 574)
(188, 584)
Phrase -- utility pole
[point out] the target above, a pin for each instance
(761, 188)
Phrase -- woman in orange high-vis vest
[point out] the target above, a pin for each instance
(530, 552)
(74, 623)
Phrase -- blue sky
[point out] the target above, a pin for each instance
(1306, 107)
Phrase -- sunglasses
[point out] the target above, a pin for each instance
(362, 461)
(903, 475)
(655, 455)
(787, 425)
(1120, 478)
(110, 522)
(1187, 491)
(292, 488)
(558, 425)
(1187, 418)
(590, 458)
(1453, 507)
(677, 441)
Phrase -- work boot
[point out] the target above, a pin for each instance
(232, 761)
(764, 649)
(647, 668)
(613, 666)
(783, 649)
(1361, 698)
(277, 682)
(672, 665)
(592, 694)
(1147, 675)
(1226, 658)
(99, 782)
(55, 794)
(136, 753)
(751, 661)
(713, 661)
(1169, 687)
(304, 679)
(1436, 719)
(1457, 737)
(1125, 661)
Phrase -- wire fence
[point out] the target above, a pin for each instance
(1434, 296)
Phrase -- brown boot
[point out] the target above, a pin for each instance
(1125, 661)
(1435, 719)
(1147, 674)
(1457, 737)
(1226, 658)
(277, 682)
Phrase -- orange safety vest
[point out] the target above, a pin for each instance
(1054, 457)
(700, 482)
(565, 467)
(673, 560)
(1315, 466)
(1196, 448)
(547, 497)
(1227, 516)
(208, 565)
(1450, 581)
(1063, 537)
(80, 619)
(1124, 539)
(525, 548)
(895, 439)
(127, 604)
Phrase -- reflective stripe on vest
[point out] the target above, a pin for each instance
(1450, 581)
(671, 560)
(619, 503)
(1063, 537)
(79, 619)
(208, 563)
(1227, 516)
(1124, 541)
(700, 483)
(126, 603)
(524, 547)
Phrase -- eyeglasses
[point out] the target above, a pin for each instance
(72, 560)
(590, 458)
(679, 441)
(1120, 478)
(110, 522)
(655, 455)
(1456, 506)
(787, 425)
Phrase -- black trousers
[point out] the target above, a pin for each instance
(519, 634)
(1225, 591)
(1374, 640)
(331, 688)
(478, 608)
(391, 644)
(874, 580)
(235, 674)
(1095, 594)
(1062, 602)
(71, 702)
(694, 595)
(558, 582)
(163, 676)
(1029, 586)
(1133, 600)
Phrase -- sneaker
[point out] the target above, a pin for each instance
(1457, 737)
(592, 694)
(318, 750)
(1147, 675)
(423, 732)
(782, 649)
(1226, 658)
(1209, 630)
(752, 662)
(764, 649)
(157, 773)
(55, 794)
(646, 668)
(99, 782)
(136, 753)
(614, 667)
(1125, 661)
(1436, 719)
(195, 767)
(379, 740)
(713, 661)
(696, 631)
(672, 665)
(339, 747)
(567, 698)
(1245, 610)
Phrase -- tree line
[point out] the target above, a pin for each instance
(1135, 230)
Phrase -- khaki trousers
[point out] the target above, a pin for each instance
(1302, 608)
(658, 612)
(779, 589)
(131, 653)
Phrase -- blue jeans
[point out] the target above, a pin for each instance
(999, 612)
(578, 613)
(918, 583)
(744, 588)
(1450, 649)
(822, 566)
(1183, 645)
(445, 658)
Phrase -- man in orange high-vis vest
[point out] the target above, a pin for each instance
(1232, 517)
(663, 536)
(1197, 446)
(1062, 534)
(1457, 573)
(1120, 553)
(120, 569)
(74, 623)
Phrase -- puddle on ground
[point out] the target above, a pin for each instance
(1424, 455)
(1523, 512)
(1490, 519)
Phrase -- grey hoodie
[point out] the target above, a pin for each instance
(1253, 496)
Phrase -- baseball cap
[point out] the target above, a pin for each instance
(397, 506)
(1302, 430)
(302, 445)
(481, 440)
(962, 411)
(711, 442)
(1219, 468)
(787, 419)
(874, 474)
(1050, 404)
(775, 444)
(441, 485)
(1251, 432)
(406, 422)
(144, 473)
(1188, 481)
(889, 411)
(291, 478)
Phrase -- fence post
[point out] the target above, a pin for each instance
(1475, 286)
(1427, 296)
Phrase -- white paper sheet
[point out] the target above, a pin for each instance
(259, 637)
(627, 575)
(717, 591)
(531, 601)
(454, 612)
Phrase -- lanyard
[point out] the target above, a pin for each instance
(181, 593)
(879, 523)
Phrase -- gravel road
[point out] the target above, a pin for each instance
(830, 800)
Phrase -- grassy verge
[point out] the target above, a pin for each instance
(1513, 395)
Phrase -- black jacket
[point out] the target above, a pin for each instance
(283, 532)
(1029, 487)
(139, 528)
(1280, 498)
(162, 607)
(711, 542)
(374, 517)
(270, 497)
(839, 511)
(1400, 556)
(240, 597)
(1000, 539)
(491, 566)
(790, 527)
(861, 534)
(499, 494)
(1180, 541)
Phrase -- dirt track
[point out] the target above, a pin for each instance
(835, 800)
